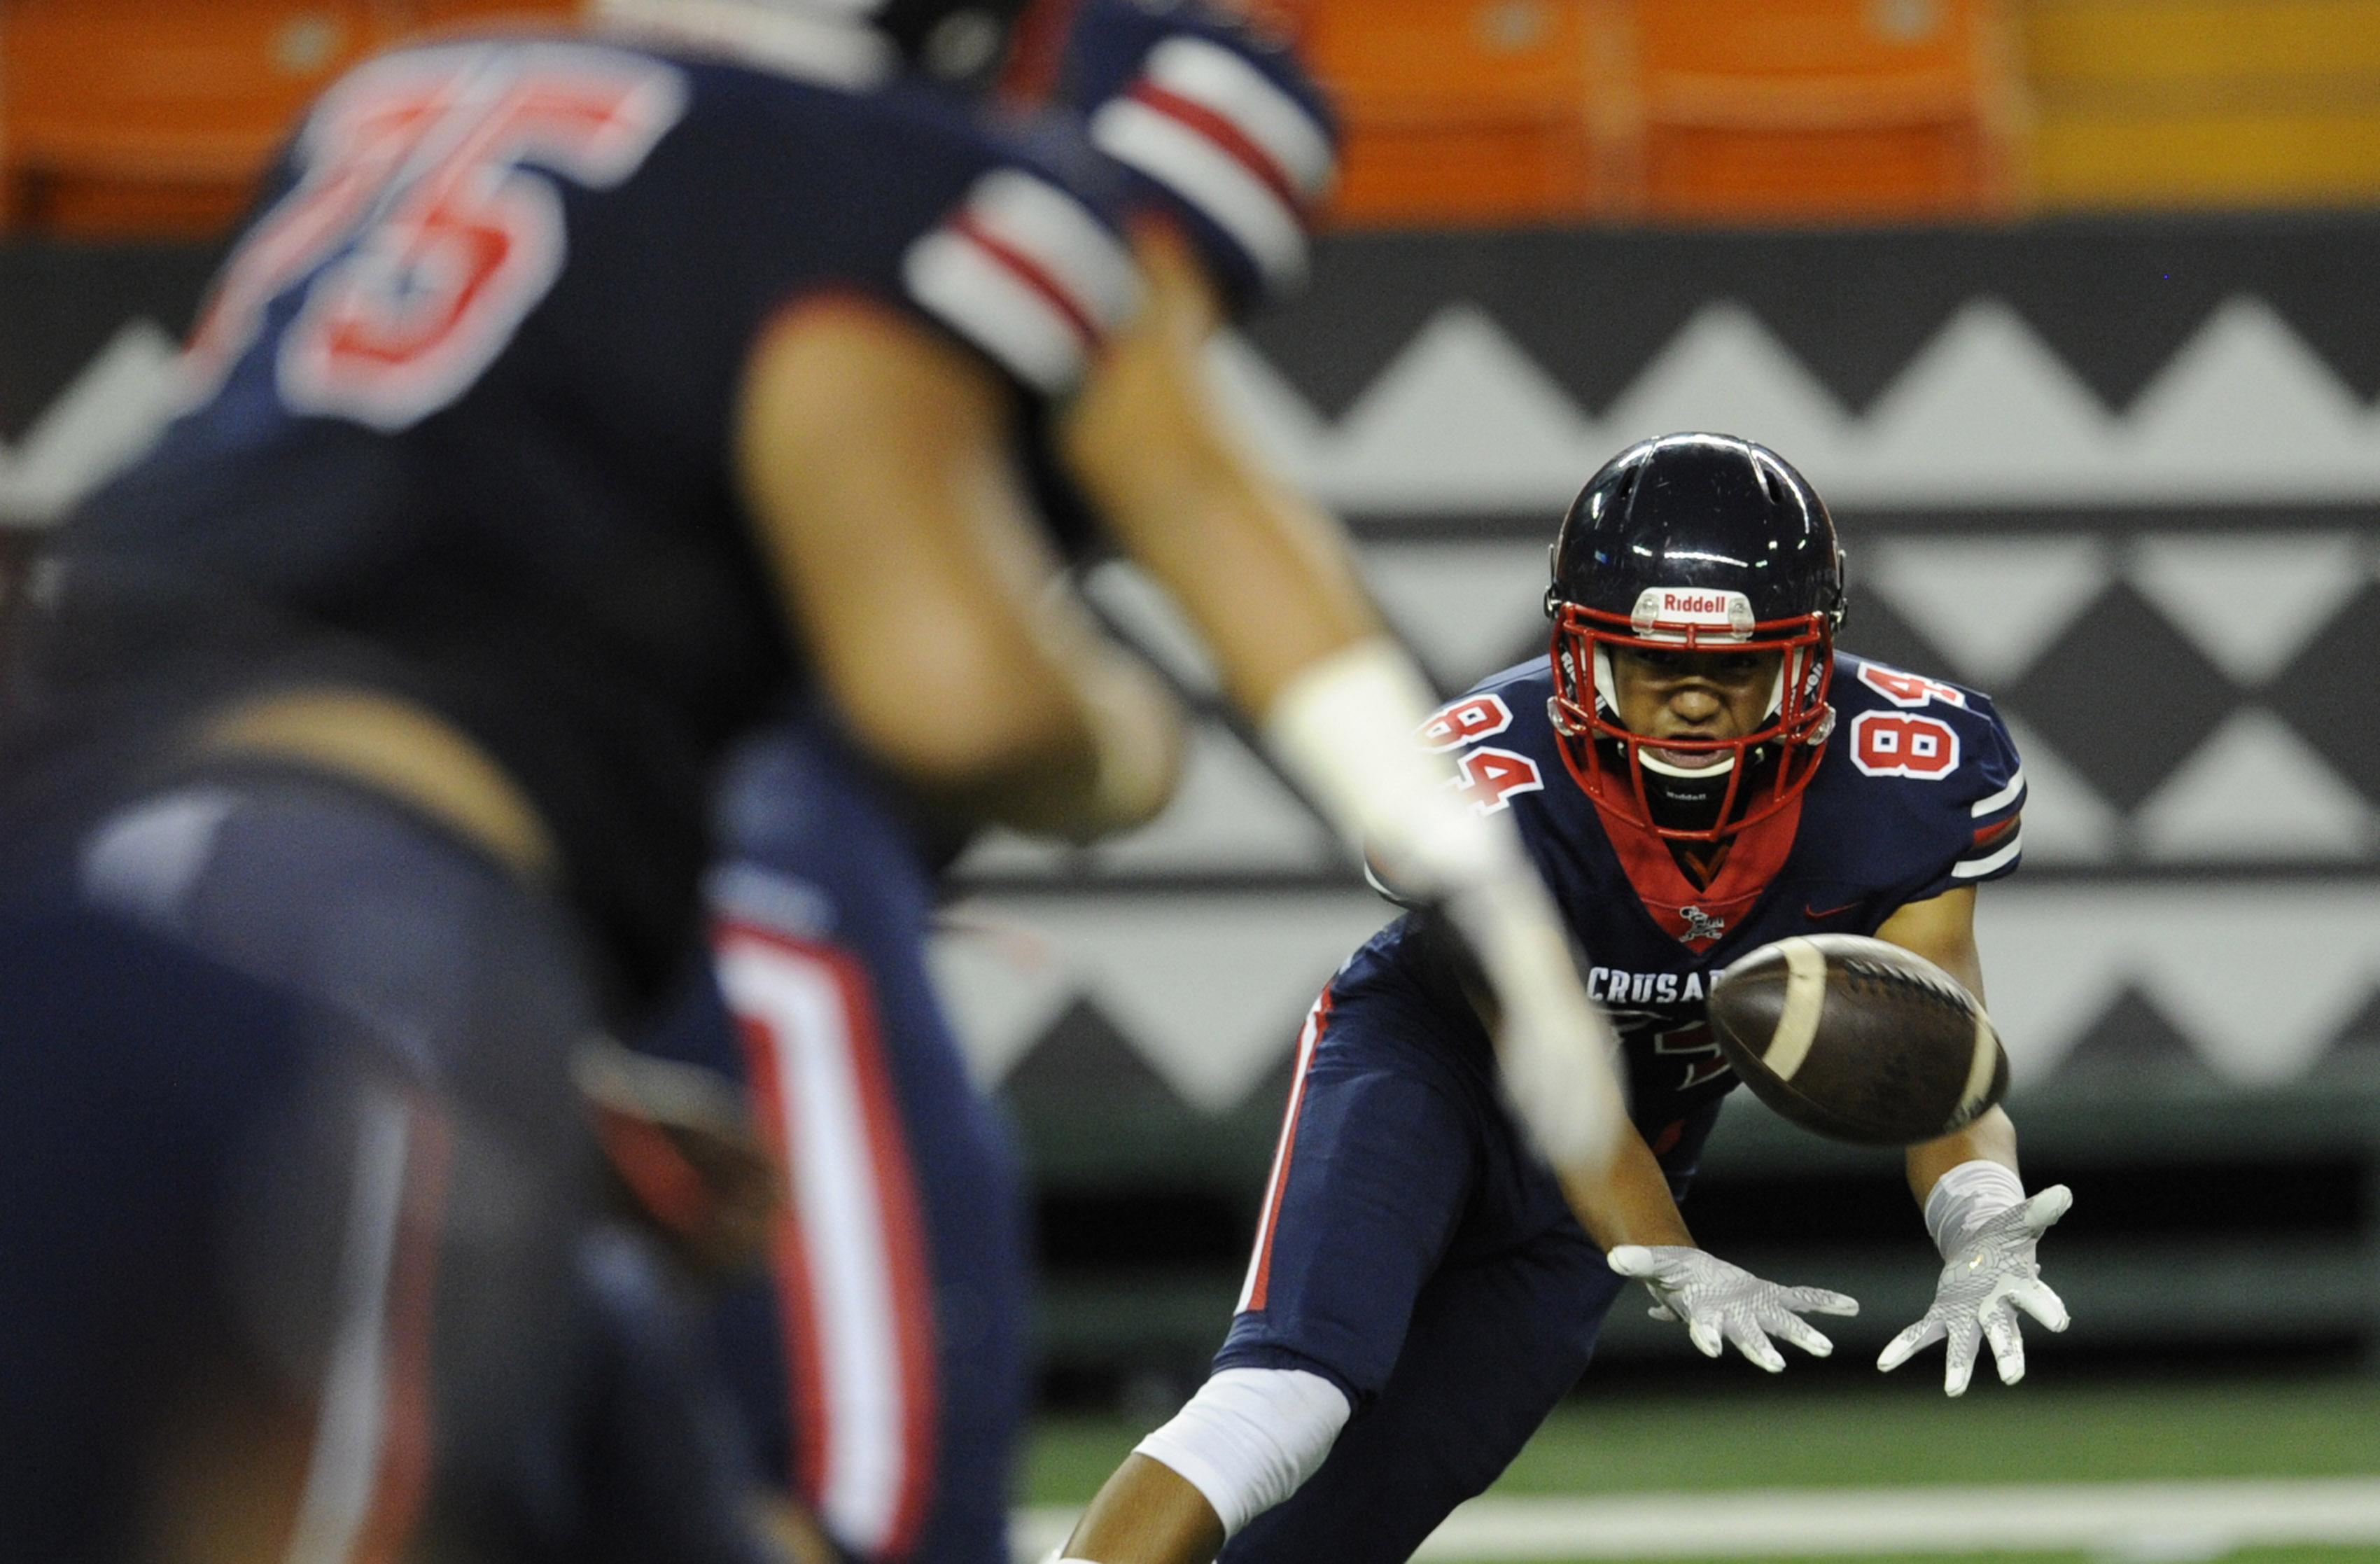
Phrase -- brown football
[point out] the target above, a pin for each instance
(1858, 1039)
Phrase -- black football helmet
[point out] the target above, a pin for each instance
(1695, 542)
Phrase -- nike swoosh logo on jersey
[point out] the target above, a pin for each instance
(1815, 916)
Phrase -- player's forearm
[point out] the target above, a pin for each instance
(1627, 1202)
(1133, 730)
(1991, 1138)
(1146, 1514)
(1267, 580)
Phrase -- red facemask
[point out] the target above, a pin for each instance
(1585, 712)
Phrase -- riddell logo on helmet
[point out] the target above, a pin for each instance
(1672, 610)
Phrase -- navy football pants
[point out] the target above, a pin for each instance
(881, 1363)
(1416, 1253)
(290, 1171)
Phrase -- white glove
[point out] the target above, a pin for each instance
(1989, 1273)
(1721, 1303)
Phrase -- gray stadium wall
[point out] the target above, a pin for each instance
(2124, 476)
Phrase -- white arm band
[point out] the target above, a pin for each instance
(1249, 1438)
(1966, 1197)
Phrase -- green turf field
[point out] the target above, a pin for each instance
(1887, 1436)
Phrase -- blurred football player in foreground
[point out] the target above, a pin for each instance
(881, 1363)
(1698, 772)
(571, 401)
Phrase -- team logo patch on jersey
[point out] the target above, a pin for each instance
(1700, 924)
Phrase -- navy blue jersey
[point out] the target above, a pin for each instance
(1919, 791)
(463, 398)
(1412, 1249)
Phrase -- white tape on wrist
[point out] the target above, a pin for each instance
(1348, 729)
(1249, 1438)
(1966, 1197)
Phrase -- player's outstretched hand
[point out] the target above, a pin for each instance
(1985, 1279)
(1721, 1303)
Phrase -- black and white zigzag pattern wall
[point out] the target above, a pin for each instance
(2126, 479)
(2129, 480)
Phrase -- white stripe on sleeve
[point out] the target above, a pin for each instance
(1189, 161)
(1058, 234)
(2003, 798)
(982, 298)
(1974, 868)
(1281, 1158)
(1222, 84)
(1026, 272)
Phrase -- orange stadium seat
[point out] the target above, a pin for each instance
(154, 116)
(1461, 110)
(1823, 108)
(1485, 110)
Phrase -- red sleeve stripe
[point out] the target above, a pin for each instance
(1283, 134)
(1975, 868)
(1033, 275)
(1211, 127)
(1224, 134)
(1206, 176)
(1997, 830)
(1026, 272)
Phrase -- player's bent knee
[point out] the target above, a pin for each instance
(1250, 1438)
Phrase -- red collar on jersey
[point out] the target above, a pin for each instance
(1757, 852)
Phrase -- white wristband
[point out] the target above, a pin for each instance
(1348, 730)
(1966, 1197)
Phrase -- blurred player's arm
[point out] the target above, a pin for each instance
(1266, 578)
(877, 458)
(1967, 1185)
(1271, 584)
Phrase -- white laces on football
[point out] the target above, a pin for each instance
(1988, 1275)
(1721, 1303)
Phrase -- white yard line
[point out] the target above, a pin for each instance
(2137, 1519)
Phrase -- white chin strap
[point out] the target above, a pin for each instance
(1686, 773)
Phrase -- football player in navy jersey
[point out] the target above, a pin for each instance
(1697, 771)
(881, 1363)
(570, 401)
